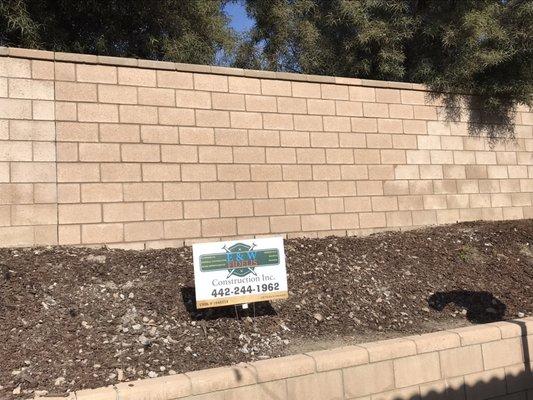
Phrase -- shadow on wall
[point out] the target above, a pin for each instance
(258, 309)
(496, 123)
(481, 307)
(511, 383)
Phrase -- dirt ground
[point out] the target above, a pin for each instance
(73, 318)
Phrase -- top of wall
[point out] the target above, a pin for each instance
(208, 69)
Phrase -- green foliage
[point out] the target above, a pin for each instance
(476, 51)
(175, 30)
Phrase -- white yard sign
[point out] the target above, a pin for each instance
(240, 271)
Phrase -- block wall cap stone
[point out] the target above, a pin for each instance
(166, 387)
(215, 379)
(78, 58)
(118, 61)
(256, 73)
(31, 53)
(270, 370)
(104, 393)
(436, 341)
(152, 64)
(510, 329)
(390, 349)
(477, 334)
(215, 69)
(207, 69)
(342, 357)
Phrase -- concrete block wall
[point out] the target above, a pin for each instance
(135, 153)
(480, 362)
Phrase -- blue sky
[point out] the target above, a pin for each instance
(237, 13)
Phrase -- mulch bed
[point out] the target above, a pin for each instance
(73, 318)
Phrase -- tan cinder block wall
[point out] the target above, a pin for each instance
(28, 189)
(480, 362)
(136, 153)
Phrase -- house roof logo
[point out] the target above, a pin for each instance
(239, 259)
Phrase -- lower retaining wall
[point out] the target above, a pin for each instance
(476, 362)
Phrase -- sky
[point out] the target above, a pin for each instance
(237, 13)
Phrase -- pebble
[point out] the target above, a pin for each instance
(97, 259)
(16, 390)
(152, 374)
(59, 381)
(521, 315)
(319, 317)
(120, 374)
(86, 325)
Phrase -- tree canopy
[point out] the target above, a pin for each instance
(184, 31)
(478, 50)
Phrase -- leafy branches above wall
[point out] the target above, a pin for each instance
(476, 51)
(185, 31)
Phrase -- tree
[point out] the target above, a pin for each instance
(479, 51)
(174, 30)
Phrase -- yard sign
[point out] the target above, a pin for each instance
(238, 272)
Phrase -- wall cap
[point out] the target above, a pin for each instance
(206, 69)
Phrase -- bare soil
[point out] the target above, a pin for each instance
(73, 318)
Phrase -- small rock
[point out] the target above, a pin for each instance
(59, 381)
(96, 366)
(16, 390)
(152, 374)
(144, 341)
(96, 259)
(521, 314)
(120, 374)
(86, 325)
(188, 349)
(319, 317)
(464, 312)
(136, 327)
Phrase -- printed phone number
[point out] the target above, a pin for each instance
(239, 290)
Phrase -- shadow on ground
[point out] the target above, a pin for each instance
(258, 309)
(481, 307)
